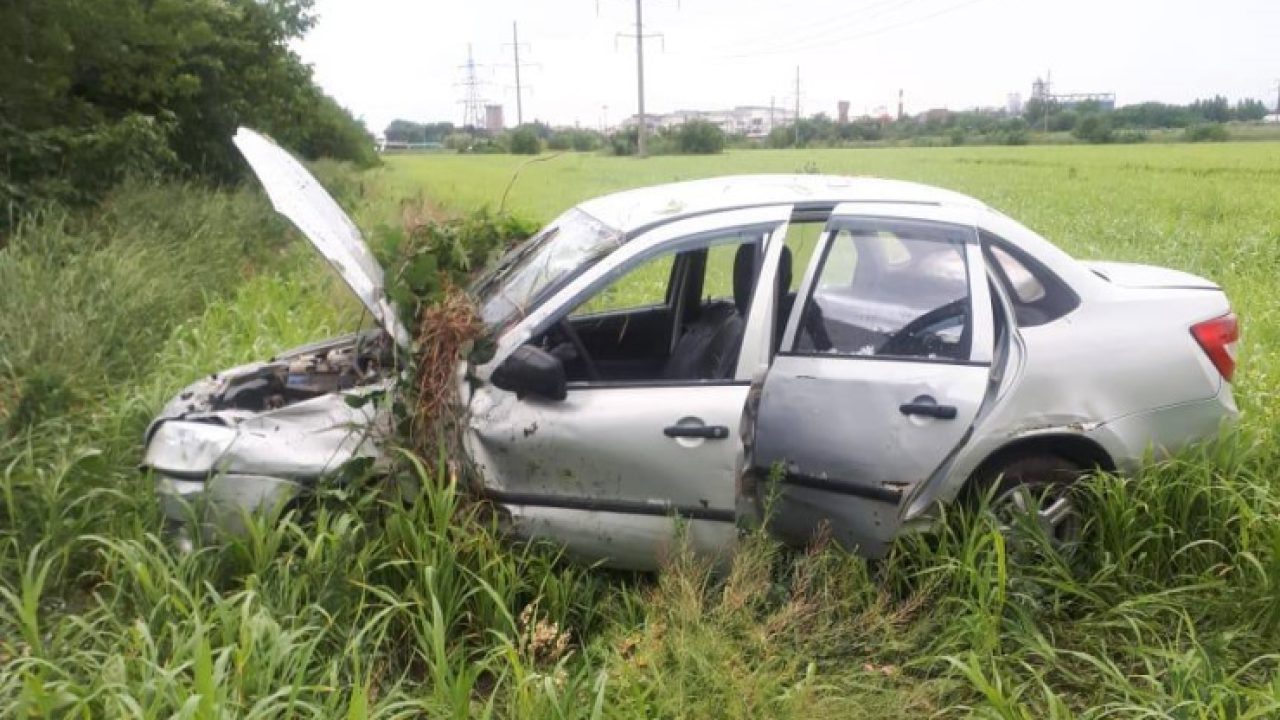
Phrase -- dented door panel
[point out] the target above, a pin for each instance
(626, 540)
(608, 445)
(849, 454)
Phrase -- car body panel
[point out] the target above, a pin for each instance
(1134, 275)
(295, 194)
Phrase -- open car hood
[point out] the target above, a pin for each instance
(297, 195)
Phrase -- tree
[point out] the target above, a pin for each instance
(1250, 110)
(407, 131)
(1215, 109)
(157, 86)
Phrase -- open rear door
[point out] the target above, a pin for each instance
(882, 369)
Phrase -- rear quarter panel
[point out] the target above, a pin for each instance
(1124, 354)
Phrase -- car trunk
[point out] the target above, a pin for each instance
(1133, 275)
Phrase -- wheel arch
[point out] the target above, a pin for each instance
(1082, 451)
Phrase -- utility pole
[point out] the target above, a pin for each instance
(797, 106)
(1048, 98)
(640, 75)
(515, 49)
(639, 36)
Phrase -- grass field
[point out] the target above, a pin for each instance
(1171, 608)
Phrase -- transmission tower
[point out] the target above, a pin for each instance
(472, 102)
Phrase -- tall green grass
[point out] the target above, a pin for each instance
(362, 605)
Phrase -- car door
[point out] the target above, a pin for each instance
(607, 471)
(881, 372)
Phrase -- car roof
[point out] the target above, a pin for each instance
(633, 210)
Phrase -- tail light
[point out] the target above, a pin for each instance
(1218, 339)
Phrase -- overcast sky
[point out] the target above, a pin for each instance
(400, 58)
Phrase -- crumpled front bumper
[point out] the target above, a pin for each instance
(219, 506)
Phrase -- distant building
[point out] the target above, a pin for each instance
(1014, 104)
(493, 121)
(842, 112)
(1104, 100)
(1272, 118)
(753, 121)
(936, 116)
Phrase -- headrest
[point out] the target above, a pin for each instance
(784, 273)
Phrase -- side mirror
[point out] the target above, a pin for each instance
(533, 371)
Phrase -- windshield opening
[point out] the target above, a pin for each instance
(544, 263)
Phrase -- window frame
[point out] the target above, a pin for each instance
(677, 283)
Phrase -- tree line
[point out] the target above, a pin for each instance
(92, 92)
(1201, 120)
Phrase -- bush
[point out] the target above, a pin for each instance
(698, 137)
(524, 141)
(1207, 132)
(458, 141)
(1093, 129)
(624, 142)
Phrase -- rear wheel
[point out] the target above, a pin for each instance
(1036, 490)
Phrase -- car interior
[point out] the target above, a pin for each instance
(681, 317)
(691, 333)
(881, 294)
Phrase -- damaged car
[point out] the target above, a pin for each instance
(854, 353)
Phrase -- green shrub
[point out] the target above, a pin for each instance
(698, 137)
(1206, 132)
(1093, 128)
(524, 141)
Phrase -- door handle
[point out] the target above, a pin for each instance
(928, 409)
(710, 432)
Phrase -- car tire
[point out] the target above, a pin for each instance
(1042, 484)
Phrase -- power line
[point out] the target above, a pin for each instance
(808, 32)
(847, 38)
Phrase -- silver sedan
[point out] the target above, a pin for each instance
(860, 351)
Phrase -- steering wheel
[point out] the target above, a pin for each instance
(901, 342)
(566, 327)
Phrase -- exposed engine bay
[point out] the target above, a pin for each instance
(307, 373)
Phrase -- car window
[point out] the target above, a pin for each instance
(644, 286)
(802, 239)
(1025, 286)
(718, 282)
(1038, 295)
(889, 293)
